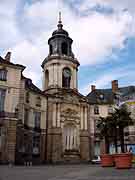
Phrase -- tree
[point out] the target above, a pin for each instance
(120, 119)
(104, 126)
(112, 127)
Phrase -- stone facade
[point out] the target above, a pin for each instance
(50, 125)
(102, 103)
(56, 124)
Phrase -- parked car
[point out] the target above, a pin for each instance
(96, 160)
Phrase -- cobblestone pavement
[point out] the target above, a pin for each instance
(65, 172)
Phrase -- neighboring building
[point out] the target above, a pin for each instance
(102, 103)
(56, 124)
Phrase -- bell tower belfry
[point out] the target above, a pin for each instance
(60, 67)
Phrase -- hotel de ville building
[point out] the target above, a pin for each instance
(57, 123)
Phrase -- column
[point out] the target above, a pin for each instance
(68, 139)
(43, 80)
(81, 110)
(60, 76)
(50, 75)
(71, 138)
(75, 79)
(54, 115)
(85, 120)
(75, 139)
(58, 115)
(55, 74)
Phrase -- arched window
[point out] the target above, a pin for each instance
(46, 78)
(64, 48)
(66, 77)
(51, 49)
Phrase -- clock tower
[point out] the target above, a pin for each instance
(60, 67)
(67, 137)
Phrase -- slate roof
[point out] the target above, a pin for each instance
(3, 61)
(106, 96)
(29, 85)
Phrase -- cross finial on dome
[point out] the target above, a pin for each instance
(60, 22)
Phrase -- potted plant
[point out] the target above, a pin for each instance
(121, 119)
(103, 125)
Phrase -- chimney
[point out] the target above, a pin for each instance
(8, 56)
(93, 87)
(114, 86)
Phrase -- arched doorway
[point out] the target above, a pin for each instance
(70, 138)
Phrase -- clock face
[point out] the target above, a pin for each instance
(67, 72)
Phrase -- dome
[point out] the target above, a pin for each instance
(60, 32)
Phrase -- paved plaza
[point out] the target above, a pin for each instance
(65, 172)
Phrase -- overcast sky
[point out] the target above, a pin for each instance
(103, 32)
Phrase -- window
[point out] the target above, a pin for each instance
(66, 77)
(27, 97)
(36, 144)
(26, 117)
(51, 49)
(110, 110)
(38, 101)
(37, 118)
(2, 99)
(0, 137)
(64, 48)
(3, 74)
(96, 110)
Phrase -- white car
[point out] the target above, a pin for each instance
(96, 160)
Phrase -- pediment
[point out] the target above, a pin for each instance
(71, 95)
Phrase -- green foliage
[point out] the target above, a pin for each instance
(114, 124)
(104, 126)
(121, 117)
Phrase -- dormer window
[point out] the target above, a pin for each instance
(96, 109)
(38, 101)
(3, 74)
